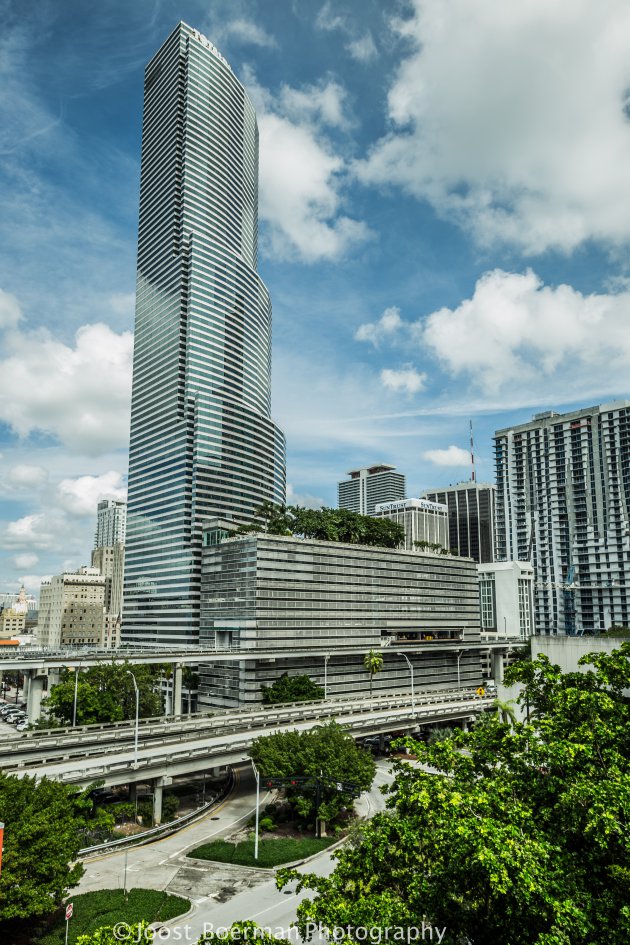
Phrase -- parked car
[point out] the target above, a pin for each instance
(21, 726)
(14, 719)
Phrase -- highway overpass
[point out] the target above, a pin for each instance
(168, 748)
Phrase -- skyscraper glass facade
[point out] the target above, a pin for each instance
(202, 440)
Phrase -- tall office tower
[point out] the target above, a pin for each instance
(111, 523)
(202, 440)
(471, 518)
(367, 487)
(563, 494)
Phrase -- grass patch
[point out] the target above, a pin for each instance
(270, 852)
(109, 906)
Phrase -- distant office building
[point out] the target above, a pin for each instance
(424, 522)
(506, 599)
(111, 523)
(471, 518)
(71, 609)
(263, 591)
(13, 618)
(370, 486)
(110, 561)
(203, 443)
(563, 500)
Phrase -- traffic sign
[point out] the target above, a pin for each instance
(481, 691)
(69, 911)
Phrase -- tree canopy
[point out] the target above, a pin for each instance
(43, 832)
(300, 688)
(327, 525)
(523, 840)
(326, 750)
(105, 693)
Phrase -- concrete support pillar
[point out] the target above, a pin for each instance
(216, 771)
(465, 725)
(497, 661)
(35, 692)
(158, 786)
(26, 685)
(133, 793)
(177, 688)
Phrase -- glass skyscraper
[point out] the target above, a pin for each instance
(202, 440)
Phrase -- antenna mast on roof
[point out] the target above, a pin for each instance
(472, 452)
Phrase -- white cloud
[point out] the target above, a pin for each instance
(30, 531)
(25, 561)
(324, 101)
(363, 48)
(303, 498)
(245, 31)
(79, 394)
(80, 496)
(512, 120)
(33, 582)
(406, 380)
(383, 330)
(10, 311)
(25, 475)
(452, 456)
(528, 341)
(299, 193)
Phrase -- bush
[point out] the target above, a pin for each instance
(266, 823)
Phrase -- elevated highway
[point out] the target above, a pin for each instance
(167, 748)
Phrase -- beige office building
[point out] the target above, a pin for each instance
(72, 609)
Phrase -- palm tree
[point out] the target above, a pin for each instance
(373, 663)
(506, 712)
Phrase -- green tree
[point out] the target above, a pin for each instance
(300, 688)
(326, 750)
(327, 525)
(105, 693)
(373, 664)
(525, 840)
(44, 824)
(247, 932)
(133, 932)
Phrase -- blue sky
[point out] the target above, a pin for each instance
(444, 232)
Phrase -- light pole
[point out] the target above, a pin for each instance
(257, 776)
(135, 744)
(76, 687)
(413, 697)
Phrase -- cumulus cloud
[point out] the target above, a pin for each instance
(80, 496)
(383, 330)
(363, 48)
(300, 192)
(27, 476)
(407, 380)
(246, 31)
(25, 561)
(78, 393)
(515, 125)
(451, 456)
(303, 498)
(324, 101)
(10, 311)
(30, 531)
(360, 45)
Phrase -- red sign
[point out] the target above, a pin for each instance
(68, 911)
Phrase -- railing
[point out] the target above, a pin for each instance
(163, 830)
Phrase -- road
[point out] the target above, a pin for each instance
(221, 894)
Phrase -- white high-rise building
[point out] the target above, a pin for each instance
(111, 523)
(563, 499)
(203, 444)
(425, 523)
(368, 487)
(71, 609)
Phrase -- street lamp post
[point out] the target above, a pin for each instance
(257, 776)
(74, 704)
(413, 697)
(135, 743)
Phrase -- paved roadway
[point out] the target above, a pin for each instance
(220, 894)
